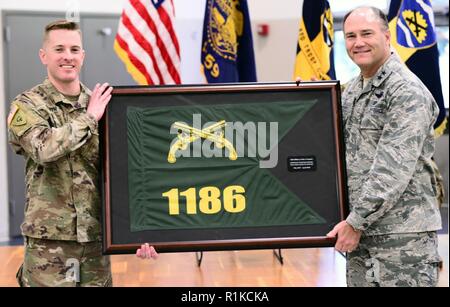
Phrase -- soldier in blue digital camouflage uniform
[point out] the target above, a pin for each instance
(54, 126)
(390, 235)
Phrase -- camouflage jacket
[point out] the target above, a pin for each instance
(389, 139)
(60, 144)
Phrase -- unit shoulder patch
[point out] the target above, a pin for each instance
(17, 117)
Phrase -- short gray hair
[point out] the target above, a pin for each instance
(379, 14)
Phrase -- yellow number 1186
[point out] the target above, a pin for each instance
(210, 202)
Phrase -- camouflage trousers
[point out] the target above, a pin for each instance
(52, 263)
(394, 260)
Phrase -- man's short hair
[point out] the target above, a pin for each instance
(61, 25)
(379, 14)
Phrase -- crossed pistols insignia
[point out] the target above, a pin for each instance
(188, 134)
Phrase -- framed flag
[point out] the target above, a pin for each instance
(220, 167)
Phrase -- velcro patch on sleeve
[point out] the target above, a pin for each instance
(19, 118)
(11, 114)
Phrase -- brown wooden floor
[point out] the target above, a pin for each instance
(302, 267)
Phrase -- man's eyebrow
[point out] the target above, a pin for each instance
(359, 31)
(73, 46)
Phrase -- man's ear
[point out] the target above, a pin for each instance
(388, 36)
(42, 56)
(83, 55)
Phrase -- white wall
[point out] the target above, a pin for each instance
(274, 54)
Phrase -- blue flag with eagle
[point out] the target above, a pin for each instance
(411, 23)
(315, 42)
(227, 45)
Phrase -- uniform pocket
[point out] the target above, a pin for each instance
(372, 124)
(90, 150)
(373, 119)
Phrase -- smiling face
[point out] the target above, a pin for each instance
(367, 40)
(63, 55)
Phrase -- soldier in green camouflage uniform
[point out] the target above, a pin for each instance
(54, 126)
(390, 235)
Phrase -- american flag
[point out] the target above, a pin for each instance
(147, 43)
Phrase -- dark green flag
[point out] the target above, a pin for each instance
(190, 178)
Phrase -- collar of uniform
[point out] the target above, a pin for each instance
(361, 86)
(57, 96)
(384, 71)
(84, 96)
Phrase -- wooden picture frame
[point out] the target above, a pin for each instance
(230, 199)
